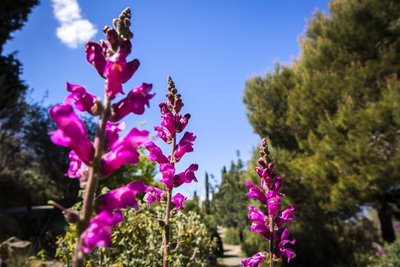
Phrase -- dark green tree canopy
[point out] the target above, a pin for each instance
(13, 15)
(333, 116)
(230, 202)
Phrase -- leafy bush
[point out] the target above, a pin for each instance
(390, 256)
(137, 241)
(253, 243)
(212, 226)
(232, 236)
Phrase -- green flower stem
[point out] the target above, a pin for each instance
(93, 177)
(271, 242)
(167, 232)
(167, 228)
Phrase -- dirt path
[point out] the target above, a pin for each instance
(232, 253)
(232, 257)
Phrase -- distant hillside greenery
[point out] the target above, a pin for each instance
(333, 118)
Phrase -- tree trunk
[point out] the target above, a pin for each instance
(241, 238)
(385, 215)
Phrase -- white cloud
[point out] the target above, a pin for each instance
(73, 29)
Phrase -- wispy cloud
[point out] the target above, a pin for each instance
(73, 29)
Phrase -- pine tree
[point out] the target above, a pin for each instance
(333, 116)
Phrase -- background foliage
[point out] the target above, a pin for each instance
(137, 241)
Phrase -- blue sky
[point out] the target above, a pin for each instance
(210, 48)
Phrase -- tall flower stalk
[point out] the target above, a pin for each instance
(91, 161)
(269, 225)
(172, 124)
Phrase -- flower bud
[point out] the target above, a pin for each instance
(112, 37)
(271, 165)
(262, 163)
(96, 108)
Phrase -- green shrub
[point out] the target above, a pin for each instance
(253, 243)
(137, 241)
(232, 236)
(212, 226)
(389, 258)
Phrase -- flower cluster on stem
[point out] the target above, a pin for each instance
(271, 225)
(94, 160)
(173, 123)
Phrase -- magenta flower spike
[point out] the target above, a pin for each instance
(89, 161)
(71, 132)
(269, 224)
(172, 124)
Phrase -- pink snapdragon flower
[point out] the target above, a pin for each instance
(254, 260)
(258, 222)
(124, 151)
(117, 71)
(186, 176)
(285, 216)
(112, 132)
(98, 234)
(122, 197)
(71, 132)
(83, 100)
(185, 145)
(281, 250)
(96, 56)
(255, 192)
(134, 102)
(273, 202)
(77, 168)
(163, 134)
(155, 153)
(168, 173)
(153, 194)
(168, 123)
(181, 122)
(178, 201)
